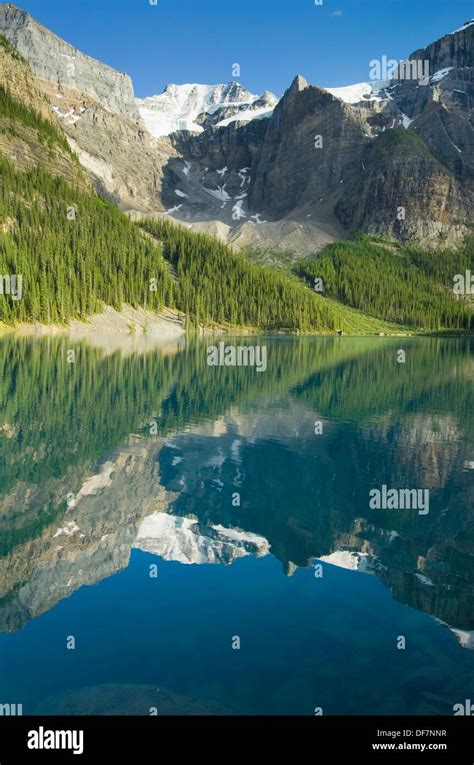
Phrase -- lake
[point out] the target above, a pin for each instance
(182, 538)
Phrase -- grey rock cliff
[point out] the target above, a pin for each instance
(57, 61)
(292, 168)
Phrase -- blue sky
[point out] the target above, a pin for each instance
(272, 40)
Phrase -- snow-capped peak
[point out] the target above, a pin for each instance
(179, 106)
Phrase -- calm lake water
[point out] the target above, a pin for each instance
(190, 539)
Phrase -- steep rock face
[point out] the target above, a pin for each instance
(291, 170)
(449, 135)
(441, 110)
(217, 159)
(57, 61)
(126, 163)
(95, 109)
(404, 191)
(455, 49)
(215, 149)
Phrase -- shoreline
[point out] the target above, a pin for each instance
(169, 325)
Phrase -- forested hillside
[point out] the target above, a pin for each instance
(74, 251)
(77, 253)
(217, 285)
(395, 283)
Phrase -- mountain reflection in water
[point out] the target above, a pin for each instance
(118, 459)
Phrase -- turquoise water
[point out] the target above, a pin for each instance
(176, 538)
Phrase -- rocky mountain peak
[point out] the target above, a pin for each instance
(234, 91)
(54, 60)
(299, 83)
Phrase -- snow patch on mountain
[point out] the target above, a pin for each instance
(360, 91)
(246, 115)
(406, 121)
(220, 193)
(70, 116)
(440, 74)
